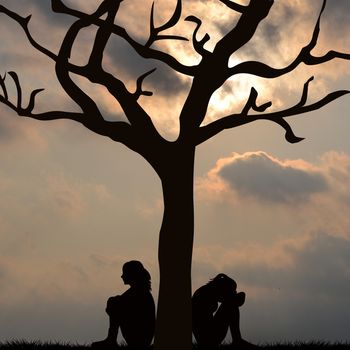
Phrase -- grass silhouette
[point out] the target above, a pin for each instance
(38, 345)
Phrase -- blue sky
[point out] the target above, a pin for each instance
(75, 206)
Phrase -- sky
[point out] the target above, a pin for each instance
(74, 206)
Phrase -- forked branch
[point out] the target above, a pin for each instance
(87, 105)
(139, 91)
(278, 117)
(243, 31)
(251, 16)
(198, 44)
(91, 116)
(251, 103)
(23, 22)
(144, 51)
(154, 31)
(213, 68)
(18, 108)
(118, 131)
(95, 73)
(205, 81)
(305, 56)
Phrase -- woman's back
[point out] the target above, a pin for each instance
(138, 321)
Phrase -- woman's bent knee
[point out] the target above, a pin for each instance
(240, 298)
(113, 304)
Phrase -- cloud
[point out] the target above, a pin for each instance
(266, 178)
(274, 200)
(312, 240)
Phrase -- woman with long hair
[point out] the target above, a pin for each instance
(133, 312)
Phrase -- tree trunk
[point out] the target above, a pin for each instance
(174, 314)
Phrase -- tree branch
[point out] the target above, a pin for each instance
(198, 44)
(109, 7)
(305, 56)
(244, 30)
(142, 50)
(154, 31)
(134, 112)
(208, 80)
(138, 118)
(234, 6)
(139, 91)
(3, 86)
(91, 116)
(18, 106)
(118, 131)
(278, 117)
(251, 103)
(23, 22)
(213, 69)
(87, 105)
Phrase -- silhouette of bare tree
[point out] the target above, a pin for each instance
(172, 160)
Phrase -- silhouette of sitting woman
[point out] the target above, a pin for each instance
(133, 311)
(211, 321)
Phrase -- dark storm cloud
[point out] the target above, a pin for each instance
(265, 178)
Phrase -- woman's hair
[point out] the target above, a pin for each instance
(223, 283)
(137, 274)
